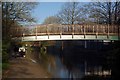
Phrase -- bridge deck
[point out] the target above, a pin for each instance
(69, 37)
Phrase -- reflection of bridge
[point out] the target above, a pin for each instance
(71, 32)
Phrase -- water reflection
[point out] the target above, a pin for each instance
(76, 61)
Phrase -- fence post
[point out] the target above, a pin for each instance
(36, 33)
(23, 36)
(81, 28)
(84, 31)
(47, 31)
(72, 30)
(97, 31)
(93, 30)
(103, 31)
(108, 31)
(60, 31)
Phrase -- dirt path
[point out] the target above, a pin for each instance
(27, 67)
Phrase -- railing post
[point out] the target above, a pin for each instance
(84, 31)
(73, 31)
(36, 33)
(17, 32)
(93, 29)
(103, 29)
(97, 31)
(23, 35)
(108, 31)
(60, 31)
(47, 31)
(81, 28)
(112, 29)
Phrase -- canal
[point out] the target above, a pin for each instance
(75, 59)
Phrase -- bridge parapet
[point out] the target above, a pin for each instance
(76, 29)
(58, 29)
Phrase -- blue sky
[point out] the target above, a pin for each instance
(46, 9)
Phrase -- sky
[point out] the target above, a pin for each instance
(46, 9)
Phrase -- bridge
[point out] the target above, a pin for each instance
(68, 32)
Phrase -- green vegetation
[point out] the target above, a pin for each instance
(13, 13)
(5, 66)
(5, 54)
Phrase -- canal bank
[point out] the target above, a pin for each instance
(27, 67)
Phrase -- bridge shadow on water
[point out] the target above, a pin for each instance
(90, 60)
(74, 60)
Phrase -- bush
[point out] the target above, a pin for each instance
(5, 65)
(5, 57)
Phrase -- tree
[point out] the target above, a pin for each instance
(14, 13)
(70, 13)
(105, 12)
(52, 20)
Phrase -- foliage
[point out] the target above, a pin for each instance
(5, 51)
(5, 66)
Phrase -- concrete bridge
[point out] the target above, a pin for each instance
(68, 32)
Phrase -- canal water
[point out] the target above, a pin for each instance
(76, 59)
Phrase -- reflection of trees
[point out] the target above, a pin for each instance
(113, 58)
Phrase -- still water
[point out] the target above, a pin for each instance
(76, 59)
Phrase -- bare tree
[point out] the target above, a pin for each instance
(14, 13)
(70, 13)
(105, 12)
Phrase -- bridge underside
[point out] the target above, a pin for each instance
(68, 37)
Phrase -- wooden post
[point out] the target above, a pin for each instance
(81, 28)
(111, 28)
(108, 31)
(60, 35)
(93, 29)
(47, 31)
(60, 31)
(23, 36)
(103, 28)
(84, 31)
(97, 31)
(72, 30)
(36, 33)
